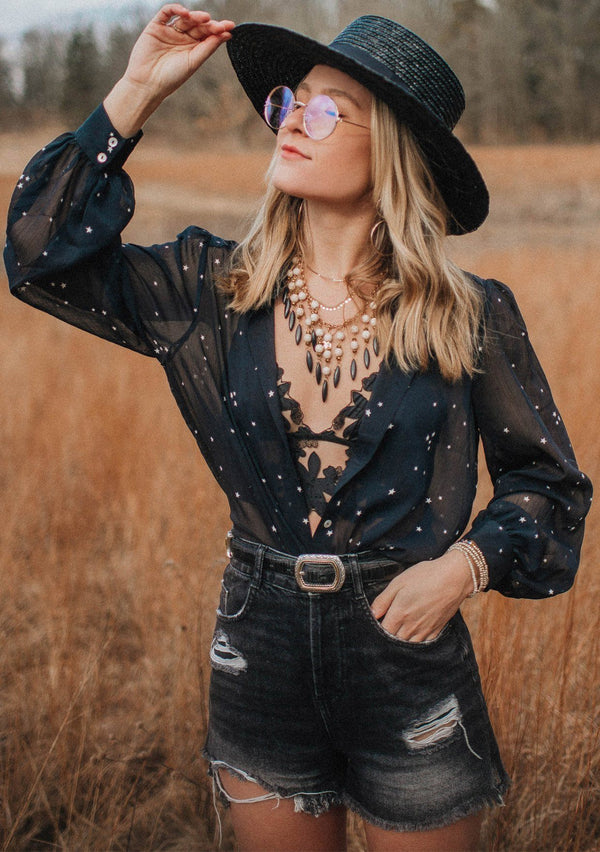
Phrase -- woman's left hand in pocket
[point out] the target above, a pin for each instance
(417, 604)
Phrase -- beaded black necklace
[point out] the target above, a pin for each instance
(324, 340)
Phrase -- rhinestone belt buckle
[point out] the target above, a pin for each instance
(326, 560)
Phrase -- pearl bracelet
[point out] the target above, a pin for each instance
(476, 561)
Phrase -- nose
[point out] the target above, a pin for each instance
(295, 120)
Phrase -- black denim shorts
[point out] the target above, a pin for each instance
(311, 698)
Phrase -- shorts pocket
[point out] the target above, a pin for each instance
(237, 591)
(370, 591)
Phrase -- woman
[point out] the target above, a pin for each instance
(336, 370)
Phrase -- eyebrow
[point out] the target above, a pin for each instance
(340, 93)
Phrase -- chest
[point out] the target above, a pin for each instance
(319, 407)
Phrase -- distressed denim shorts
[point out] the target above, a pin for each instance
(313, 700)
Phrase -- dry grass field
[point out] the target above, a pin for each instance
(111, 540)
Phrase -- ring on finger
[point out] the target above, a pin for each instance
(172, 22)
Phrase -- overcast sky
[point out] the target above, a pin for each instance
(19, 15)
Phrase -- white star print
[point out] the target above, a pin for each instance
(391, 491)
(88, 230)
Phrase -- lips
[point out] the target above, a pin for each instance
(291, 152)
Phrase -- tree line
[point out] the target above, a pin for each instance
(531, 70)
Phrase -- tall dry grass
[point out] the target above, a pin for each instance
(111, 546)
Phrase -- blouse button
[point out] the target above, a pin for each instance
(112, 142)
(102, 158)
(327, 524)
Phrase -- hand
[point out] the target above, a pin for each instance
(163, 58)
(417, 604)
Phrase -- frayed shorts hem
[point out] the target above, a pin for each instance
(459, 812)
(313, 803)
(319, 802)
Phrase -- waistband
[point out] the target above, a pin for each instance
(314, 572)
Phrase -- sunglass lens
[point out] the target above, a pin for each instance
(320, 117)
(278, 106)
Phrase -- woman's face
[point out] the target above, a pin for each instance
(335, 170)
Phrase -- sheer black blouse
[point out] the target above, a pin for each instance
(408, 487)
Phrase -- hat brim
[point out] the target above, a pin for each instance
(264, 56)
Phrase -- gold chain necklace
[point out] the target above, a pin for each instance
(325, 341)
(324, 277)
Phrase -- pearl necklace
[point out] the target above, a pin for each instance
(325, 341)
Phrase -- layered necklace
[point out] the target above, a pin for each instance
(325, 341)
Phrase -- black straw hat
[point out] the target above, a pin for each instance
(395, 65)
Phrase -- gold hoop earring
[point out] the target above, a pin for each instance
(373, 235)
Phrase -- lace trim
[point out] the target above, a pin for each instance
(318, 482)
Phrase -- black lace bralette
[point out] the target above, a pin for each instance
(318, 482)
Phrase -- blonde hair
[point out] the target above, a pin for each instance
(427, 308)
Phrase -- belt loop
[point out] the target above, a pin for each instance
(258, 566)
(356, 574)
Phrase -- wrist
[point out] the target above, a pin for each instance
(129, 105)
(475, 561)
(461, 571)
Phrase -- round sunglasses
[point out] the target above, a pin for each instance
(321, 115)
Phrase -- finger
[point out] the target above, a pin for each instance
(200, 30)
(205, 48)
(382, 602)
(170, 10)
(205, 29)
(394, 624)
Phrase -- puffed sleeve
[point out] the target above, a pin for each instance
(64, 253)
(531, 531)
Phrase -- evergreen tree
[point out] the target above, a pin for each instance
(7, 95)
(82, 87)
(43, 60)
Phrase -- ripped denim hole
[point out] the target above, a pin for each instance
(224, 657)
(245, 777)
(437, 726)
(304, 802)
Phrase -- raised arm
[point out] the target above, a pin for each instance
(63, 252)
(171, 48)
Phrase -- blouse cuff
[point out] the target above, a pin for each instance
(496, 545)
(102, 144)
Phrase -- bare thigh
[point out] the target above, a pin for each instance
(461, 836)
(274, 826)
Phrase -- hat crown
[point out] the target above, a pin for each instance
(409, 61)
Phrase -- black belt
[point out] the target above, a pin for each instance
(317, 565)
